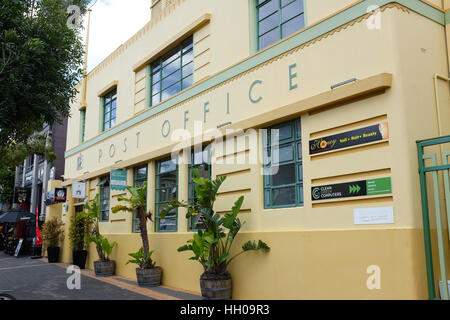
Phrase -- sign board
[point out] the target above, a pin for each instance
(55, 196)
(352, 189)
(347, 139)
(118, 180)
(79, 190)
(22, 195)
(383, 215)
(19, 246)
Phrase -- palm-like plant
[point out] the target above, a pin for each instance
(137, 203)
(211, 247)
(103, 246)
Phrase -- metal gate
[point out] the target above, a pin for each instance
(434, 176)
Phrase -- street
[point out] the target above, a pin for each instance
(35, 279)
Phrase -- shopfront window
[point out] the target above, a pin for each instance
(140, 176)
(172, 72)
(283, 165)
(104, 198)
(200, 160)
(278, 19)
(166, 188)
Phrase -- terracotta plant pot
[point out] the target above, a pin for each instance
(104, 268)
(149, 277)
(216, 287)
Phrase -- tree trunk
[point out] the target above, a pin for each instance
(144, 234)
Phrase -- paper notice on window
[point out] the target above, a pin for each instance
(382, 215)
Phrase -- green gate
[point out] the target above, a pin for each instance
(433, 172)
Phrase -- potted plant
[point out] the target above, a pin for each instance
(104, 266)
(211, 246)
(147, 274)
(52, 234)
(79, 228)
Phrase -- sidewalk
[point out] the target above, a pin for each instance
(39, 280)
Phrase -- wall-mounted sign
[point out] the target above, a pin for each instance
(22, 195)
(56, 196)
(382, 215)
(352, 138)
(79, 190)
(118, 180)
(352, 189)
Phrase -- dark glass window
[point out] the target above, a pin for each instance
(82, 125)
(109, 109)
(140, 176)
(283, 178)
(172, 72)
(166, 188)
(200, 160)
(278, 19)
(104, 198)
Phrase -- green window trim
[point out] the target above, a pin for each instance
(159, 190)
(272, 188)
(82, 125)
(172, 72)
(105, 193)
(191, 184)
(281, 21)
(138, 180)
(109, 110)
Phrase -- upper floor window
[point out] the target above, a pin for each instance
(283, 179)
(278, 19)
(109, 109)
(82, 125)
(172, 72)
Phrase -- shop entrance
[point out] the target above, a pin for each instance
(434, 169)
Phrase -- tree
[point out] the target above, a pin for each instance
(40, 62)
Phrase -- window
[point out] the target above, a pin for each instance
(173, 72)
(82, 125)
(109, 109)
(104, 198)
(140, 176)
(278, 19)
(202, 161)
(283, 178)
(166, 188)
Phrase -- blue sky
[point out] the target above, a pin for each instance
(112, 23)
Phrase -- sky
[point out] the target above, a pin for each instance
(113, 22)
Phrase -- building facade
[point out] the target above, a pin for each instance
(34, 175)
(310, 108)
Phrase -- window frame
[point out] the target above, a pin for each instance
(191, 184)
(82, 125)
(280, 23)
(136, 181)
(113, 94)
(298, 183)
(102, 187)
(161, 64)
(157, 200)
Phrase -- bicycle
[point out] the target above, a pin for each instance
(5, 296)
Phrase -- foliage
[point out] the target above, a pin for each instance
(80, 227)
(40, 62)
(53, 232)
(103, 246)
(141, 259)
(211, 247)
(137, 203)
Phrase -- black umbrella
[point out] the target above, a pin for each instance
(17, 215)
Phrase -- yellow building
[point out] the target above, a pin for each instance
(350, 87)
